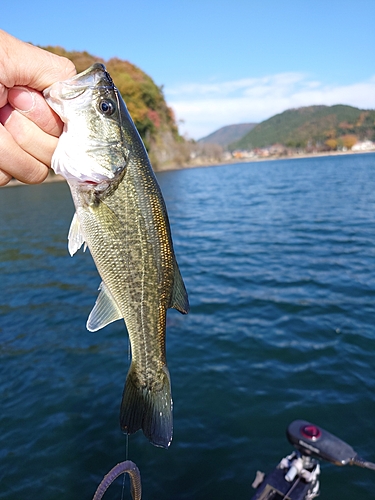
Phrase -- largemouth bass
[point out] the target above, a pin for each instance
(121, 217)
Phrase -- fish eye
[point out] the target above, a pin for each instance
(107, 107)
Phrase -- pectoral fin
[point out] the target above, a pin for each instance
(105, 311)
(179, 299)
(75, 236)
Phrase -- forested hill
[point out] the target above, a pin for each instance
(309, 126)
(145, 101)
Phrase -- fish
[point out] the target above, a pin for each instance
(121, 216)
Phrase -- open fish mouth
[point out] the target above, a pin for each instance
(79, 86)
(94, 77)
(88, 104)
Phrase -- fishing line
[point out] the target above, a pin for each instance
(129, 346)
(123, 487)
(126, 458)
(127, 447)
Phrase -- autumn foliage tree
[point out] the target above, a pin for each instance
(331, 144)
(349, 140)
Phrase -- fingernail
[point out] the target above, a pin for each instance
(21, 99)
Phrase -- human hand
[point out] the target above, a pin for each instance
(29, 129)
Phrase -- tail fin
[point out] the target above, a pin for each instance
(148, 409)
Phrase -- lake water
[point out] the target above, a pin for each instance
(279, 261)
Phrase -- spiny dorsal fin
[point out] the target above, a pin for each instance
(105, 310)
(75, 236)
(179, 299)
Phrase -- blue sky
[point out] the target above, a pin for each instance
(220, 62)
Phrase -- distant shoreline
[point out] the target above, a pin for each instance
(59, 178)
(269, 158)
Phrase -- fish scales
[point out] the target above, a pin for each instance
(136, 272)
(122, 218)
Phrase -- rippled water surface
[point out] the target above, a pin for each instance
(279, 261)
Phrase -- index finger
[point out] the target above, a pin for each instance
(24, 64)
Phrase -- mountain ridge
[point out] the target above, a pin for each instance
(227, 134)
(311, 126)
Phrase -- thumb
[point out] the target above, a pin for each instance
(32, 104)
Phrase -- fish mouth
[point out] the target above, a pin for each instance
(93, 77)
(86, 88)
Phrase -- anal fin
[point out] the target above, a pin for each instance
(179, 299)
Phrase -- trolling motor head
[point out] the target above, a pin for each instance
(296, 477)
(312, 440)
